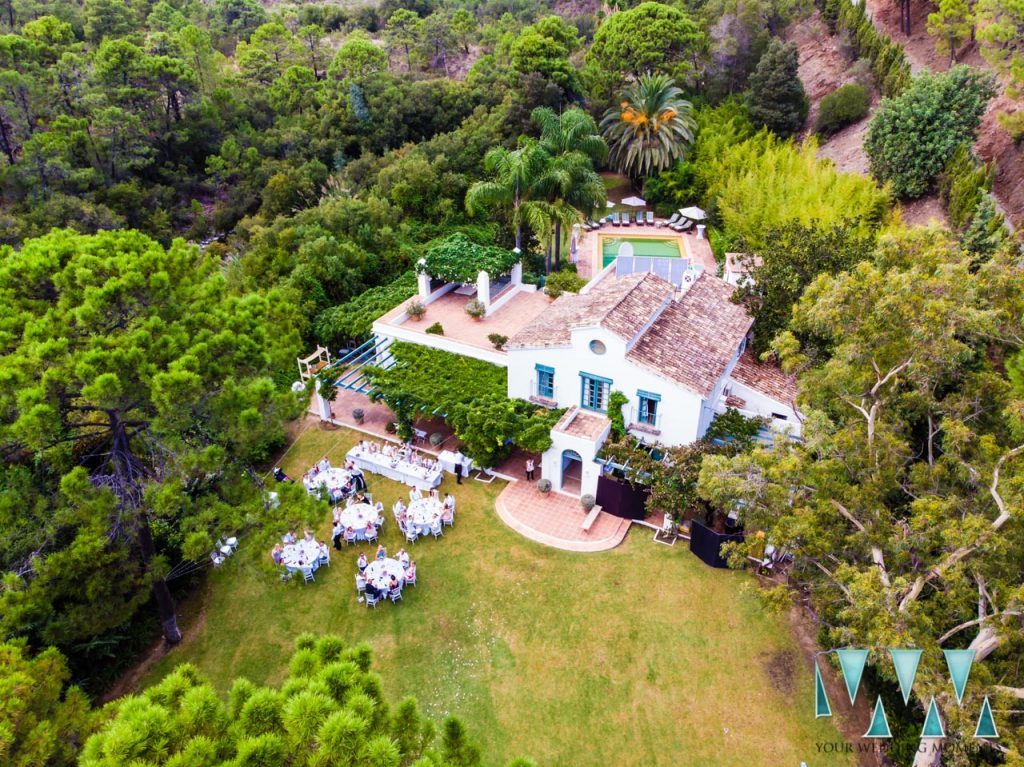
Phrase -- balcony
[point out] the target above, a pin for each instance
(544, 401)
(643, 422)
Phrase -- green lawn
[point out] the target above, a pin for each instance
(638, 656)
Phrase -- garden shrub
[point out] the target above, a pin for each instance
(842, 107)
(565, 281)
(435, 329)
(913, 136)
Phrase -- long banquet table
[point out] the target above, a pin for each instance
(396, 469)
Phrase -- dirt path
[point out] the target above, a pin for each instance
(994, 143)
(823, 69)
(851, 721)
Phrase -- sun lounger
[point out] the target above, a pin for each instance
(650, 217)
(615, 219)
(675, 219)
(686, 225)
(639, 218)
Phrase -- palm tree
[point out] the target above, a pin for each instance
(651, 128)
(569, 182)
(514, 174)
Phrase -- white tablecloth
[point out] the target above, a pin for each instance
(396, 469)
(422, 514)
(357, 516)
(301, 555)
(447, 460)
(379, 572)
(330, 479)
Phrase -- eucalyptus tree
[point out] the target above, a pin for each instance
(650, 128)
(899, 505)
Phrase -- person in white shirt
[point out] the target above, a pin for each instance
(415, 494)
(336, 533)
(449, 501)
(360, 582)
(403, 557)
(324, 464)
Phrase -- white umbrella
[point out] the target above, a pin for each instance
(609, 204)
(635, 202)
(693, 213)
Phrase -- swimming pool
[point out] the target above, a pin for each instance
(650, 247)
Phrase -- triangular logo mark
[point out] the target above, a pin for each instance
(821, 704)
(905, 662)
(986, 723)
(879, 722)
(933, 723)
(959, 663)
(852, 662)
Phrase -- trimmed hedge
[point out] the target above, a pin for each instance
(842, 107)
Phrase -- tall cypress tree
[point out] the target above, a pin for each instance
(777, 100)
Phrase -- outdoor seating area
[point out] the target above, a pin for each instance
(384, 577)
(402, 463)
(305, 555)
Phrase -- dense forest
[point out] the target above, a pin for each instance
(194, 193)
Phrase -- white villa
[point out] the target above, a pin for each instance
(676, 351)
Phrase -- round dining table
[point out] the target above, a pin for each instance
(424, 513)
(301, 555)
(330, 479)
(358, 516)
(379, 572)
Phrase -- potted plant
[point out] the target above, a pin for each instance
(588, 502)
(498, 340)
(416, 309)
(476, 309)
(544, 485)
(358, 415)
(435, 329)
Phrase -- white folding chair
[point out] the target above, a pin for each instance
(395, 595)
(371, 601)
(370, 536)
(410, 581)
(411, 535)
(217, 559)
(325, 557)
(435, 529)
(307, 574)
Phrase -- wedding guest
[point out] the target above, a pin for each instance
(529, 468)
(382, 553)
(336, 514)
(360, 582)
(362, 562)
(415, 494)
(371, 530)
(435, 493)
(336, 533)
(289, 537)
(403, 557)
(410, 571)
(277, 553)
(394, 582)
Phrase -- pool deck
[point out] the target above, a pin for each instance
(589, 258)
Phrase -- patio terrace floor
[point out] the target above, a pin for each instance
(450, 311)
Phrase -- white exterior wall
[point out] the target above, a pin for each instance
(551, 461)
(679, 411)
(760, 404)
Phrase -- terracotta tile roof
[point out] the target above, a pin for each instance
(765, 378)
(580, 423)
(623, 306)
(694, 339)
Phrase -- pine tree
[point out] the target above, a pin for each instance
(777, 99)
(987, 231)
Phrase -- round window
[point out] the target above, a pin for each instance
(597, 347)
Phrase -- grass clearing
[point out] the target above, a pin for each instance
(637, 656)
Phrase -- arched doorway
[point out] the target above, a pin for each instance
(572, 471)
